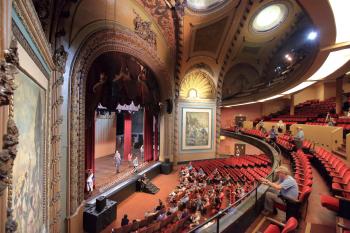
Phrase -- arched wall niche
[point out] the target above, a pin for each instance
(198, 81)
(121, 40)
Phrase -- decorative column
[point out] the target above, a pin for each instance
(127, 134)
(339, 96)
(56, 82)
(292, 106)
(8, 69)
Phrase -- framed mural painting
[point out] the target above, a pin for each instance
(196, 129)
(29, 168)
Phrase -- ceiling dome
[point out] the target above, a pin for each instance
(269, 17)
(203, 4)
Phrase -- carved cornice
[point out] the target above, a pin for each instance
(163, 15)
(26, 12)
(19, 36)
(143, 30)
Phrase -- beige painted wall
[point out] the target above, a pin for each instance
(328, 137)
(105, 136)
(273, 106)
(316, 91)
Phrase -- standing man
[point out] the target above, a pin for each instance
(117, 160)
(299, 138)
(142, 151)
(285, 186)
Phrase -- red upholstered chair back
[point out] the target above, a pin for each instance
(347, 177)
(305, 193)
(291, 225)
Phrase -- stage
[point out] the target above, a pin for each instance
(118, 186)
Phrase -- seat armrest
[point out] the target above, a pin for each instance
(274, 221)
(343, 226)
(342, 198)
(288, 199)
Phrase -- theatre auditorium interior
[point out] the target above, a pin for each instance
(175, 116)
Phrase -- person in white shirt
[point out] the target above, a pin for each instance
(142, 151)
(90, 182)
(299, 138)
(135, 163)
(117, 160)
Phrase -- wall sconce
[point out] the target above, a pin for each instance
(192, 94)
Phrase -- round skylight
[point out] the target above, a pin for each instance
(203, 4)
(270, 17)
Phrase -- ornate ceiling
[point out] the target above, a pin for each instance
(252, 49)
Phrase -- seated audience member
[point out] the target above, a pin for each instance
(195, 218)
(125, 220)
(189, 167)
(160, 206)
(161, 216)
(285, 186)
(299, 138)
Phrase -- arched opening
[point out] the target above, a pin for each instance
(122, 114)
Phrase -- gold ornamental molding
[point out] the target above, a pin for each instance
(8, 69)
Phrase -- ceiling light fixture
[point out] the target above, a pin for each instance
(270, 17)
(298, 87)
(340, 10)
(312, 35)
(334, 61)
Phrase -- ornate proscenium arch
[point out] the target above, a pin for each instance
(120, 40)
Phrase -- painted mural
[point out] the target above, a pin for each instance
(28, 171)
(196, 128)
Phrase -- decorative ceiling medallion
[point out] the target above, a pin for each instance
(203, 5)
(143, 29)
(197, 85)
(269, 17)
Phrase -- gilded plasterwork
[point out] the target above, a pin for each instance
(199, 82)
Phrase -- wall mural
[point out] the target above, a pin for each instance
(28, 170)
(196, 131)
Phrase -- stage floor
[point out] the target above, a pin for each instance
(106, 176)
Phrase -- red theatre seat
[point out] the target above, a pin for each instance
(277, 227)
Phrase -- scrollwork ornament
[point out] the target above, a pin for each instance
(60, 59)
(10, 139)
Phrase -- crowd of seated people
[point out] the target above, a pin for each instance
(198, 196)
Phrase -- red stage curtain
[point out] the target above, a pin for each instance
(155, 157)
(127, 135)
(147, 134)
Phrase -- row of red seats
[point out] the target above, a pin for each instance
(285, 144)
(254, 132)
(290, 119)
(239, 169)
(302, 169)
(338, 176)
